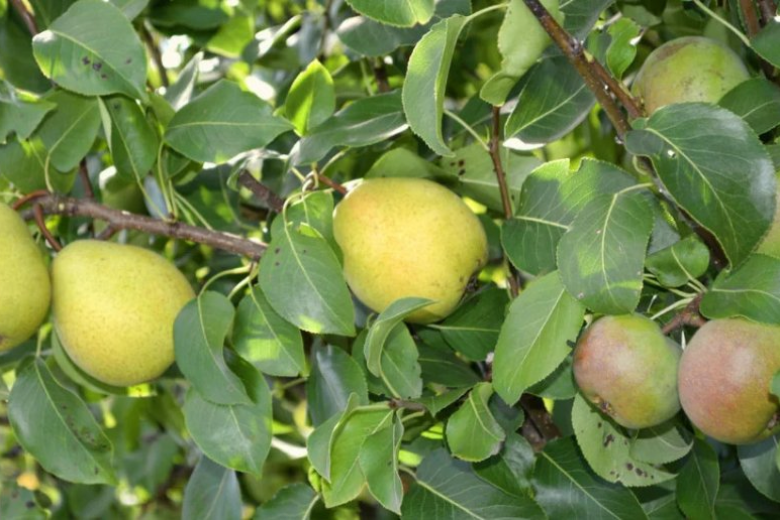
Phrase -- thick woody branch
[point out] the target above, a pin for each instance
(118, 220)
(750, 16)
(261, 192)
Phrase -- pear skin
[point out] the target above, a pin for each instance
(114, 309)
(25, 288)
(405, 237)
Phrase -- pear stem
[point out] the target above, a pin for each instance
(39, 220)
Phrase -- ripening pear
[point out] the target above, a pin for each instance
(725, 379)
(628, 368)
(688, 69)
(114, 309)
(404, 237)
(25, 289)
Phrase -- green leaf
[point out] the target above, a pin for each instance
(436, 403)
(18, 503)
(380, 330)
(379, 463)
(194, 14)
(199, 336)
(233, 36)
(535, 337)
(510, 470)
(622, 51)
(131, 8)
(757, 101)
(566, 488)
(759, 462)
(303, 281)
(559, 385)
(546, 111)
(235, 436)
(607, 448)
(775, 388)
(364, 122)
(399, 369)
(473, 328)
(293, 502)
(661, 444)
(698, 481)
(602, 255)
(448, 488)
(93, 50)
(334, 376)
(46, 11)
(222, 122)
(40, 409)
(212, 493)
(319, 442)
(264, 338)
(679, 263)
(20, 114)
(426, 80)
(19, 67)
(312, 98)
(23, 164)
(400, 13)
(581, 15)
(180, 93)
(472, 432)
(715, 168)
(132, 139)
(752, 292)
(440, 365)
(69, 131)
(767, 43)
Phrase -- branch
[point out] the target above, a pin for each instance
(261, 192)
(753, 25)
(27, 17)
(38, 213)
(380, 75)
(117, 220)
(688, 316)
(768, 11)
(156, 56)
(538, 427)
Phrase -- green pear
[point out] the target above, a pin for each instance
(25, 289)
(688, 69)
(114, 309)
(628, 368)
(405, 237)
(726, 373)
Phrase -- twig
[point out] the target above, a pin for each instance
(88, 191)
(38, 213)
(380, 74)
(768, 11)
(28, 198)
(409, 405)
(688, 316)
(750, 16)
(330, 183)
(156, 56)
(623, 96)
(261, 192)
(27, 17)
(538, 427)
(60, 205)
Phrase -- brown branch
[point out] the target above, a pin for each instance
(26, 15)
(331, 183)
(156, 56)
(750, 16)
(538, 427)
(38, 213)
(118, 220)
(88, 191)
(28, 198)
(261, 192)
(628, 101)
(688, 316)
(380, 75)
(768, 11)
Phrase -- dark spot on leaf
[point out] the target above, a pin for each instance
(29, 504)
(85, 60)
(276, 264)
(640, 472)
(117, 106)
(304, 251)
(97, 66)
(277, 250)
(128, 61)
(461, 172)
(452, 163)
(461, 162)
(103, 76)
(609, 439)
(571, 343)
(629, 466)
(598, 425)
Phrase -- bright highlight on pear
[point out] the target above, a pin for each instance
(405, 237)
(25, 289)
(114, 309)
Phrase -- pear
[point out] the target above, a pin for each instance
(688, 69)
(114, 309)
(405, 237)
(725, 378)
(628, 368)
(25, 289)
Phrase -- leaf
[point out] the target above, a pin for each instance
(23, 163)
(41, 409)
(132, 139)
(20, 115)
(715, 168)
(334, 376)
(752, 292)
(559, 385)
(131, 8)
(379, 463)
(767, 43)
(535, 337)
(293, 502)
(265, 339)
(19, 67)
(380, 330)
(607, 448)
(319, 442)
(93, 50)
(69, 131)
(698, 481)
(472, 432)
(212, 493)
(312, 98)
(426, 80)
(448, 488)
(510, 470)
(757, 101)
(180, 93)
(364, 122)
(440, 365)
(303, 281)
(199, 336)
(622, 49)
(581, 15)
(222, 122)
(565, 487)
(436, 403)
(679, 263)
(46, 11)
(661, 444)
(400, 13)
(602, 255)
(233, 37)
(18, 503)
(546, 111)
(235, 436)
(759, 462)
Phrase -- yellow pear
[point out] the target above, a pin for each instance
(25, 289)
(114, 309)
(404, 237)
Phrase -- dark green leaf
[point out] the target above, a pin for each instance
(757, 101)
(194, 14)
(697, 484)
(132, 139)
(581, 15)
(511, 470)
(23, 164)
(69, 131)
(472, 432)
(334, 376)
(661, 444)
(293, 502)
(212, 493)
(20, 114)
(18, 503)
(441, 365)
(401, 13)
(380, 330)
(759, 462)
(767, 43)
(19, 67)
(679, 263)
(379, 463)
(622, 49)
(46, 11)
(437, 403)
